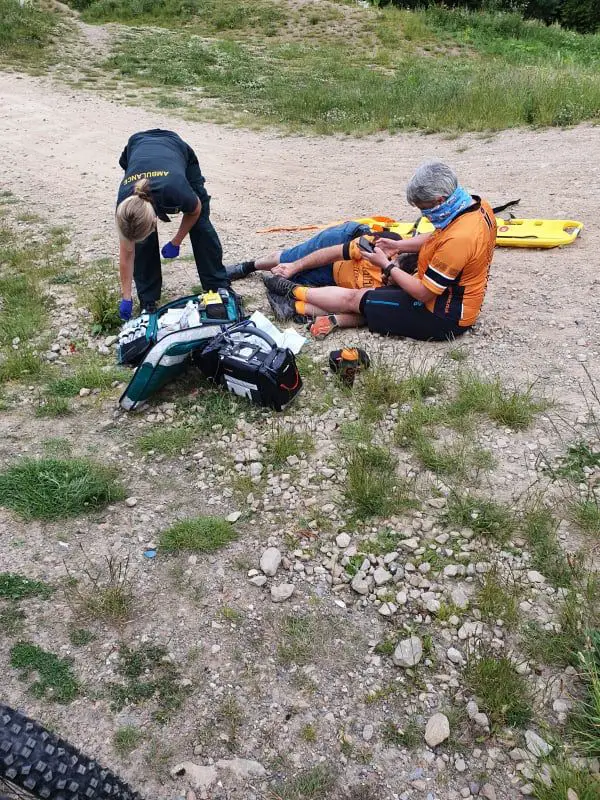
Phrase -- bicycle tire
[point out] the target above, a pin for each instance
(46, 766)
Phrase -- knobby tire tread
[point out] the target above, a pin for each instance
(48, 767)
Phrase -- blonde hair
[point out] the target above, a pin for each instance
(135, 215)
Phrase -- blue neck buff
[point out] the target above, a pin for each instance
(441, 216)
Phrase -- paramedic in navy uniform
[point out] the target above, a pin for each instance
(162, 177)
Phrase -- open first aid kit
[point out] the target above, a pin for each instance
(247, 362)
(161, 343)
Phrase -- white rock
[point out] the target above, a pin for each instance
(535, 577)
(536, 745)
(454, 655)
(282, 592)
(381, 576)
(459, 598)
(459, 765)
(234, 516)
(198, 777)
(433, 605)
(451, 570)
(481, 720)
(472, 709)
(270, 561)
(470, 630)
(487, 791)
(385, 610)
(84, 392)
(343, 540)
(368, 732)
(408, 652)
(572, 794)
(258, 580)
(409, 544)
(256, 469)
(242, 767)
(437, 730)
(360, 584)
(131, 502)
(401, 598)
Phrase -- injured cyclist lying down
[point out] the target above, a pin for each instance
(440, 301)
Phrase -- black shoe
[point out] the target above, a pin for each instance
(149, 308)
(278, 285)
(284, 308)
(237, 271)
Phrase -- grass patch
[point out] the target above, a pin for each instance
(324, 88)
(23, 312)
(582, 783)
(169, 441)
(212, 15)
(372, 487)
(579, 457)
(12, 620)
(299, 636)
(17, 587)
(316, 783)
(53, 407)
(126, 739)
(54, 677)
(498, 599)
(502, 693)
(578, 615)
(80, 637)
(202, 534)
(458, 459)
(586, 513)
(102, 302)
(52, 488)
(478, 395)
(284, 443)
(23, 364)
(25, 33)
(149, 674)
(414, 424)
(380, 389)
(547, 556)
(87, 376)
(485, 517)
(105, 594)
(409, 736)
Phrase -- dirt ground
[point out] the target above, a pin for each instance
(59, 156)
(60, 153)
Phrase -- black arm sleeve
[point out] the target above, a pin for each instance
(123, 160)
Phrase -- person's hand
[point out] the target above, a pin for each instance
(170, 250)
(377, 257)
(125, 309)
(285, 270)
(389, 246)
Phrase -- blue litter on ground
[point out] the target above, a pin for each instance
(150, 553)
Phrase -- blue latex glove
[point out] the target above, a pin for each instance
(125, 309)
(170, 250)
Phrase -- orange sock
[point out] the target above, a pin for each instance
(300, 293)
(300, 306)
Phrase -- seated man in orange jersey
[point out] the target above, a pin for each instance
(441, 300)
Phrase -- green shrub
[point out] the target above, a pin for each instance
(25, 32)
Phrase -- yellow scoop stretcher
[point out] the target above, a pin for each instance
(510, 232)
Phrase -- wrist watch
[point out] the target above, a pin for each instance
(387, 269)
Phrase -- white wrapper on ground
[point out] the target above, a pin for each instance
(288, 338)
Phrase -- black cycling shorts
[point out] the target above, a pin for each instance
(392, 311)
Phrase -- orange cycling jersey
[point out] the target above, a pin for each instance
(454, 264)
(356, 272)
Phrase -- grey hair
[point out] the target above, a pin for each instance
(431, 180)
